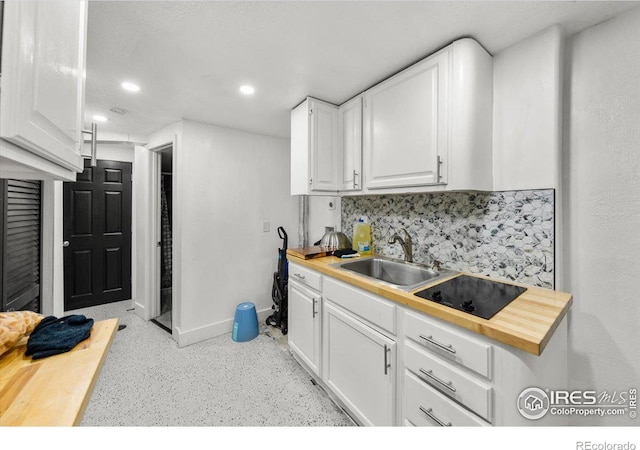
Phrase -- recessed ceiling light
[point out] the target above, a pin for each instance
(131, 87)
(99, 118)
(247, 90)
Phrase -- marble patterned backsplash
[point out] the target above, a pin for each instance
(508, 235)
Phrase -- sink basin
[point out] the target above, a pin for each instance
(394, 272)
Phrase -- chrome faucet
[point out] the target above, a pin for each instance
(407, 245)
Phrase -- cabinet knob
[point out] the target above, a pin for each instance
(65, 244)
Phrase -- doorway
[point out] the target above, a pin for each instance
(164, 319)
(97, 235)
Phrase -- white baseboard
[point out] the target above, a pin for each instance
(212, 330)
(140, 310)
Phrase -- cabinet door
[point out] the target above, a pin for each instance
(304, 324)
(406, 124)
(324, 146)
(350, 124)
(43, 68)
(359, 365)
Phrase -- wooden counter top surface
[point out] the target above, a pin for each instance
(52, 391)
(527, 323)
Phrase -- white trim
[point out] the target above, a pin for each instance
(205, 332)
(148, 302)
(18, 163)
(47, 198)
(176, 242)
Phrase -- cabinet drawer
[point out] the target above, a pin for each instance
(378, 311)
(305, 276)
(424, 406)
(451, 381)
(450, 343)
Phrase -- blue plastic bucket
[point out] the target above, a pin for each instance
(245, 323)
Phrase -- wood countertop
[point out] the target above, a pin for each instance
(52, 391)
(527, 323)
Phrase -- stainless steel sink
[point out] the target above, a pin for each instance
(394, 272)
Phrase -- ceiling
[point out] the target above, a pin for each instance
(190, 57)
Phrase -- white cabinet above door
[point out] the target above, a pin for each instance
(350, 132)
(42, 94)
(405, 126)
(314, 148)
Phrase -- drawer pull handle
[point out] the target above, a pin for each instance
(446, 384)
(430, 339)
(434, 418)
(314, 312)
(302, 277)
(386, 362)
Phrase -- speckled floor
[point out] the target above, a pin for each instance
(148, 381)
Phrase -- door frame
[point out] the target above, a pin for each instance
(148, 293)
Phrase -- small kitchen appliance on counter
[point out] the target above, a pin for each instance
(477, 296)
(334, 240)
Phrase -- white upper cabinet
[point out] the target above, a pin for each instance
(314, 148)
(429, 126)
(42, 95)
(350, 132)
(405, 126)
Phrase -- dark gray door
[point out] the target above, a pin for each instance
(20, 245)
(97, 226)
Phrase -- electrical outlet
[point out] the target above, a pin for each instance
(266, 226)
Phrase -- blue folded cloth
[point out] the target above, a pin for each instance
(53, 336)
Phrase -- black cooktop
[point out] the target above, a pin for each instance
(477, 296)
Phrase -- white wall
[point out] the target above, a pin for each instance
(602, 200)
(52, 276)
(229, 181)
(321, 215)
(526, 113)
(142, 249)
(111, 152)
(527, 122)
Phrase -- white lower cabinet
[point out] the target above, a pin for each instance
(387, 364)
(442, 385)
(425, 406)
(359, 366)
(454, 376)
(304, 314)
(463, 388)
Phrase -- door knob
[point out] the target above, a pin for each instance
(65, 244)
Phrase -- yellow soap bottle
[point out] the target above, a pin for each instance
(362, 237)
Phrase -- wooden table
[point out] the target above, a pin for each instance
(52, 391)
